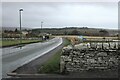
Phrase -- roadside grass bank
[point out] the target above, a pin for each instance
(52, 66)
(8, 43)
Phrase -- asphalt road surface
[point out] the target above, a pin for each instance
(33, 66)
(14, 57)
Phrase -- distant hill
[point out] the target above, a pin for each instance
(13, 28)
(66, 31)
(74, 30)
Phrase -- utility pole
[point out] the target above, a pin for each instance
(41, 25)
(41, 30)
(20, 28)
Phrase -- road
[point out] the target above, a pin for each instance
(14, 57)
(33, 66)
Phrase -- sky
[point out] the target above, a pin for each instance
(61, 14)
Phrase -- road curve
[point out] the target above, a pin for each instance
(12, 57)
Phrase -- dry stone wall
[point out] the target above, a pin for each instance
(86, 56)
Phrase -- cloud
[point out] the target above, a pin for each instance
(101, 15)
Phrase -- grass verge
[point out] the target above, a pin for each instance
(7, 43)
(52, 66)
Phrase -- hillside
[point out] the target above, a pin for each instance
(67, 31)
(74, 31)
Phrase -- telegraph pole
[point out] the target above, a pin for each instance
(41, 24)
(41, 28)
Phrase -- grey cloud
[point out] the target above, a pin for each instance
(102, 15)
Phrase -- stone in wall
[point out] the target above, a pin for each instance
(74, 59)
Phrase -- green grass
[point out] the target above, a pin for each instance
(52, 66)
(6, 43)
(66, 42)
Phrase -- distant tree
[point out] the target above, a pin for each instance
(75, 32)
(65, 32)
(104, 33)
(16, 30)
(10, 31)
(5, 31)
(25, 30)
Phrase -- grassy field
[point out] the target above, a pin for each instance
(52, 66)
(87, 37)
(6, 43)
